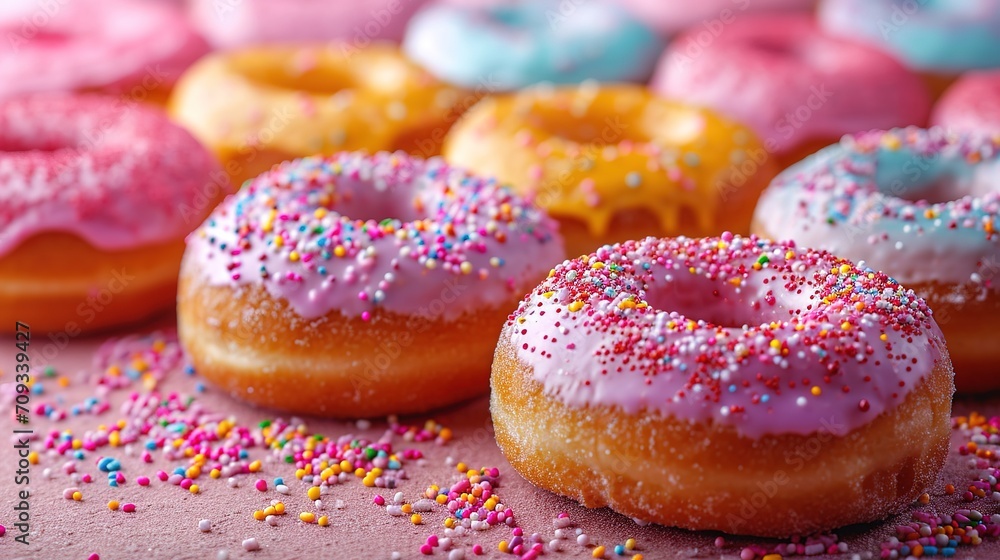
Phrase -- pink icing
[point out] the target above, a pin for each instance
(972, 104)
(356, 233)
(791, 83)
(118, 175)
(672, 17)
(121, 45)
(251, 22)
(766, 337)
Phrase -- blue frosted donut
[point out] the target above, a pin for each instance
(504, 47)
(938, 36)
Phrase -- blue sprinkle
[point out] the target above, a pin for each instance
(151, 445)
(278, 481)
(732, 388)
(102, 465)
(765, 398)
(37, 388)
(180, 471)
(189, 369)
(113, 483)
(620, 550)
(244, 454)
(200, 387)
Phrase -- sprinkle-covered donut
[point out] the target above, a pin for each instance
(616, 162)
(246, 23)
(971, 104)
(96, 197)
(709, 16)
(798, 88)
(922, 205)
(261, 106)
(372, 280)
(124, 47)
(509, 46)
(939, 36)
(673, 379)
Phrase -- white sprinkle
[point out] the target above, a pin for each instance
(281, 488)
(398, 498)
(457, 554)
(251, 544)
(583, 540)
(801, 401)
(271, 520)
(233, 483)
(204, 525)
(222, 555)
(363, 424)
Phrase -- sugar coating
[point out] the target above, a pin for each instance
(767, 337)
(358, 233)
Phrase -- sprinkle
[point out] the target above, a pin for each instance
(128, 508)
(250, 545)
(204, 525)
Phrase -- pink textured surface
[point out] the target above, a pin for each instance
(165, 524)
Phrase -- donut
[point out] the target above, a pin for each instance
(375, 281)
(96, 198)
(615, 162)
(922, 205)
(261, 106)
(508, 46)
(799, 89)
(971, 104)
(724, 383)
(256, 22)
(669, 18)
(939, 39)
(129, 48)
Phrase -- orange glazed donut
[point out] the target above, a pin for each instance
(260, 106)
(359, 285)
(725, 383)
(615, 162)
(96, 198)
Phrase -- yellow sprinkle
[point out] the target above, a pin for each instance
(416, 519)
(637, 557)
(113, 505)
(597, 265)
(575, 306)
(279, 241)
(461, 467)
(77, 496)
(775, 343)
(360, 472)
(789, 255)
(63, 382)
(270, 510)
(892, 143)
(307, 516)
(598, 552)
(320, 213)
(324, 521)
(548, 295)
(883, 337)
(193, 472)
(449, 522)
(194, 489)
(630, 543)
(299, 473)
(215, 473)
(279, 508)
(756, 266)
(293, 256)
(845, 268)
(339, 251)
(368, 481)
(816, 391)
(443, 499)
(845, 326)
(255, 466)
(33, 457)
(259, 515)
(772, 557)
(406, 508)
(313, 493)
(502, 546)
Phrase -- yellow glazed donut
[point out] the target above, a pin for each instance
(261, 106)
(615, 162)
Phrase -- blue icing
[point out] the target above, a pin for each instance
(512, 46)
(939, 35)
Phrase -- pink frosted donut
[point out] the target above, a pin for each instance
(95, 195)
(671, 17)
(132, 47)
(673, 379)
(253, 22)
(796, 87)
(972, 104)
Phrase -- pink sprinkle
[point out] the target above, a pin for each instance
(261, 485)
(426, 549)
(187, 482)
(517, 532)
(94, 556)
(366, 316)
(477, 549)
(379, 500)
(162, 475)
(142, 481)
(119, 478)
(68, 493)
(87, 478)
(128, 508)
(719, 541)
(432, 540)
(3, 530)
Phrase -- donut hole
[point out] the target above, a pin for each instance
(306, 75)
(933, 180)
(595, 126)
(367, 203)
(714, 301)
(40, 143)
(772, 46)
